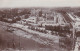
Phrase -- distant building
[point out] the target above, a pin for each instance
(29, 20)
(77, 26)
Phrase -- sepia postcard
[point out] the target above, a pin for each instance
(39, 25)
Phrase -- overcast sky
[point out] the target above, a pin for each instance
(39, 3)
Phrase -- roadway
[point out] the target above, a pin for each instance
(70, 19)
(7, 39)
(67, 19)
(20, 39)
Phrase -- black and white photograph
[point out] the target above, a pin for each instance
(39, 25)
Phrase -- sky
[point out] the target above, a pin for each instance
(39, 3)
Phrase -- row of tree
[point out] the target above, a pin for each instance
(13, 14)
(9, 13)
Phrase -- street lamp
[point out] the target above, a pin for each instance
(73, 35)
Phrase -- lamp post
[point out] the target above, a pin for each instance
(74, 36)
